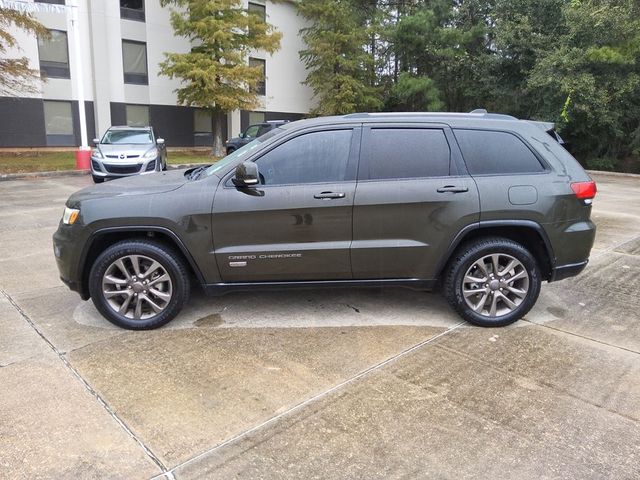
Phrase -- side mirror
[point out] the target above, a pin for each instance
(96, 141)
(246, 175)
(160, 141)
(241, 135)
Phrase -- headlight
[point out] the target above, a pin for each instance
(70, 215)
(96, 153)
(151, 153)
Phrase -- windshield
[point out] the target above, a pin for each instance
(241, 152)
(129, 137)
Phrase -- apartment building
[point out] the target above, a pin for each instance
(121, 45)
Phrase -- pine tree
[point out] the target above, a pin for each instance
(339, 63)
(16, 77)
(215, 74)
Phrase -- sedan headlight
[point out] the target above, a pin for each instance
(151, 153)
(95, 153)
(70, 215)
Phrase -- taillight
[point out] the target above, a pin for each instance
(584, 190)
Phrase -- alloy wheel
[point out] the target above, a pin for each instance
(495, 285)
(137, 287)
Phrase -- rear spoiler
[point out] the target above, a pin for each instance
(548, 127)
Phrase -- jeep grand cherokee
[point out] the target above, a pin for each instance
(485, 206)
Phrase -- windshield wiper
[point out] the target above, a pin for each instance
(195, 174)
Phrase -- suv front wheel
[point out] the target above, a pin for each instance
(139, 284)
(492, 282)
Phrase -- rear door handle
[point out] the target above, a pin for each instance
(328, 195)
(452, 189)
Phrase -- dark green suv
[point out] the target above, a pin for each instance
(484, 206)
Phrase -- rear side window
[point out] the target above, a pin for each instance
(489, 153)
(406, 153)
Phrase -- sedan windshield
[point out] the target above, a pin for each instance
(128, 137)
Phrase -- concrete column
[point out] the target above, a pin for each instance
(100, 65)
(234, 123)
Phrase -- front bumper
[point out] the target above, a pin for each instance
(68, 245)
(109, 168)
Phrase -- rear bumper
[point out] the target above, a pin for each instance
(561, 272)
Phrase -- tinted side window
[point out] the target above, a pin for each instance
(252, 131)
(406, 153)
(263, 129)
(487, 153)
(310, 158)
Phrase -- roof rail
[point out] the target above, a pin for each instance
(480, 112)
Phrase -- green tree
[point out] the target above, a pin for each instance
(215, 74)
(521, 30)
(448, 43)
(337, 57)
(589, 81)
(16, 77)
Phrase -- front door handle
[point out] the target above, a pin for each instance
(328, 195)
(452, 189)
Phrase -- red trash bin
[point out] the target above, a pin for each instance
(83, 157)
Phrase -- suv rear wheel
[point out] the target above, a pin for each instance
(139, 284)
(492, 282)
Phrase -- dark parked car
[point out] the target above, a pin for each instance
(251, 133)
(125, 151)
(485, 206)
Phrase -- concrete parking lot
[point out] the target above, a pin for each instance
(319, 384)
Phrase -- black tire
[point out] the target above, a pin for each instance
(176, 287)
(97, 179)
(469, 259)
(230, 150)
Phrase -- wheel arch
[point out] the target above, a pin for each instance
(528, 233)
(104, 238)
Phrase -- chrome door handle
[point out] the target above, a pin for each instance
(452, 189)
(328, 195)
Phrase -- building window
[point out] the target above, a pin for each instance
(58, 123)
(259, 10)
(134, 62)
(256, 117)
(202, 129)
(202, 121)
(137, 115)
(54, 54)
(55, 2)
(132, 10)
(261, 86)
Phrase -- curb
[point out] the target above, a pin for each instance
(55, 173)
(613, 174)
(73, 173)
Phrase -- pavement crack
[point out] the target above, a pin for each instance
(86, 385)
(584, 337)
(357, 310)
(613, 248)
(363, 373)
